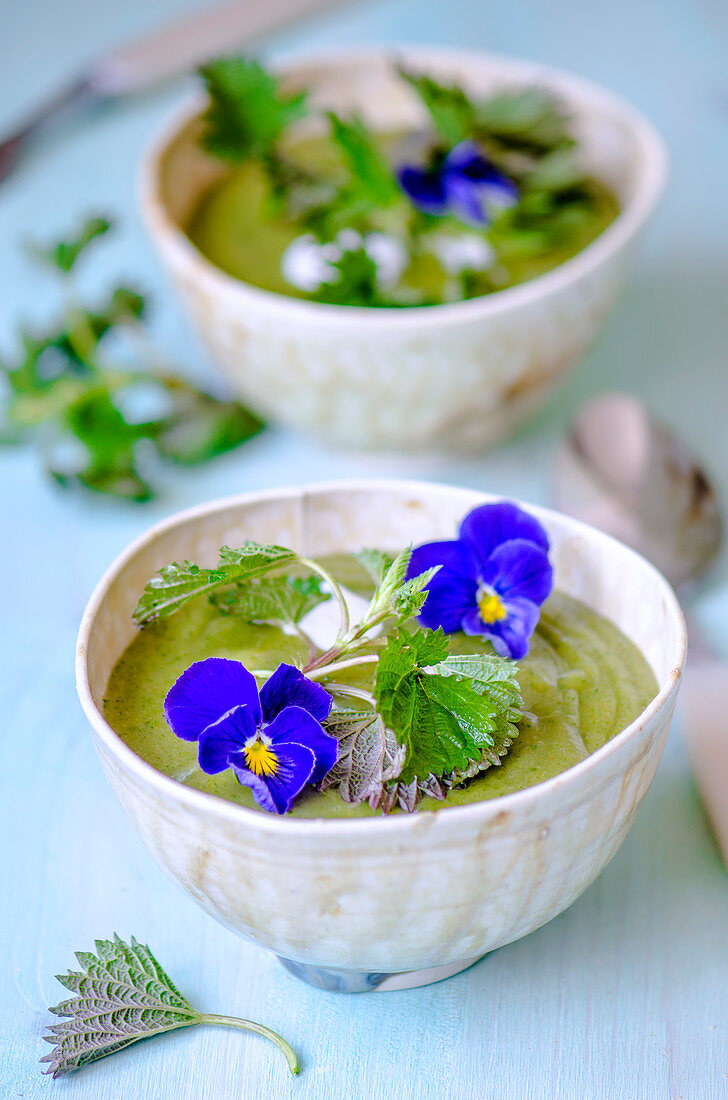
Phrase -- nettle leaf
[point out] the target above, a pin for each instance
(495, 680)
(277, 600)
(355, 283)
(64, 254)
(60, 380)
(408, 600)
(372, 179)
(122, 996)
(531, 117)
(558, 170)
(247, 112)
(448, 105)
(49, 356)
(200, 427)
(486, 672)
(177, 583)
(369, 755)
(430, 720)
(376, 563)
(110, 446)
(394, 596)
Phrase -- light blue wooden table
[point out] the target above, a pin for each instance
(623, 997)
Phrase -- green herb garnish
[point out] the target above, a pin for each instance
(177, 583)
(433, 720)
(98, 423)
(248, 113)
(123, 995)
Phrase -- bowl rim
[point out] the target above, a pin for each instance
(361, 827)
(625, 226)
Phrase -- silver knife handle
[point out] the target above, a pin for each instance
(179, 48)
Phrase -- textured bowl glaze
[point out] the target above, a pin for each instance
(457, 376)
(386, 896)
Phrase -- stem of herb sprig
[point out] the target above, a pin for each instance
(323, 670)
(250, 1025)
(335, 588)
(336, 666)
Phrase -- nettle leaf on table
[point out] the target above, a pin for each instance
(177, 583)
(84, 411)
(110, 443)
(247, 112)
(276, 600)
(122, 995)
(198, 426)
(64, 254)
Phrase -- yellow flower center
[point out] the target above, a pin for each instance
(490, 608)
(260, 758)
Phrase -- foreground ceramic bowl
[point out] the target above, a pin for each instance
(387, 902)
(457, 376)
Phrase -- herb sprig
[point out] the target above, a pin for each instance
(120, 996)
(98, 424)
(524, 134)
(433, 719)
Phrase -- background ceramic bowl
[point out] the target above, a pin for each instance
(457, 376)
(375, 902)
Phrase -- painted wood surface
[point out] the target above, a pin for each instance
(625, 996)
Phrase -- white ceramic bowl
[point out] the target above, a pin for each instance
(375, 902)
(457, 376)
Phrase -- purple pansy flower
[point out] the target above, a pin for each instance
(464, 183)
(493, 578)
(272, 739)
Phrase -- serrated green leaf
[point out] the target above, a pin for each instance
(376, 563)
(408, 600)
(64, 254)
(368, 755)
(124, 996)
(200, 427)
(355, 283)
(247, 112)
(177, 583)
(372, 179)
(450, 714)
(449, 107)
(435, 740)
(495, 680)
(277, 600)
(556, 171)
(486, 672)
(524, 117)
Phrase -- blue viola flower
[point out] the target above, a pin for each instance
(493, 578)
(464, 183)
(273, 739)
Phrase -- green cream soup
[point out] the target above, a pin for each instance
(583, 681)
(242, 228)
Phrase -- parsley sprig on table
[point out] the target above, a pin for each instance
(98, 423)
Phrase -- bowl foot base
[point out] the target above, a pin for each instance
(362, 981)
